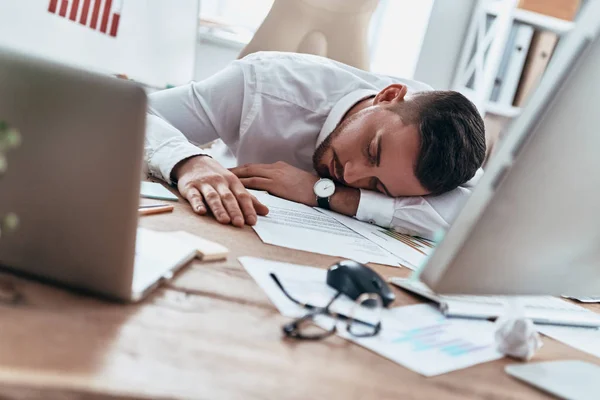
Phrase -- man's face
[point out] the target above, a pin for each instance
(372, 149)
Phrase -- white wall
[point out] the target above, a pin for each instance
(443, 42)
(213, 55)
(397, 31)
(155, 42)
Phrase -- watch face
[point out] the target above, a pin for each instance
(324, 187)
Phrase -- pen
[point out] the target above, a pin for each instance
(155, 209)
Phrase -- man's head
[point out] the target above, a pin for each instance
(425, 143)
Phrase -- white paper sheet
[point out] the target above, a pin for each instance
(420, 338)
(413, 252)
(537, 308)
(153, 190)
(297, 226)
(584, 339)
(585, 299)
(417, 337)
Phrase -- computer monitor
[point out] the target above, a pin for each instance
(532, 226)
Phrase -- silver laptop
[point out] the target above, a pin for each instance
(532, 225)
(74, 181)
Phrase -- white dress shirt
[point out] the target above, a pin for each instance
(272, 106)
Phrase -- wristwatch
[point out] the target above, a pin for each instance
(324, 188)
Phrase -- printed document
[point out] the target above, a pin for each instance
(411, 251)
(300, 227)
(584, 339)
(418, 337)
(541, 309)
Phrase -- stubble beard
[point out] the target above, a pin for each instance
(319, 165)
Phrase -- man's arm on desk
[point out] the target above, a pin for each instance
(423, 216)
(199, 113)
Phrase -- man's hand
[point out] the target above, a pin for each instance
(283, 180)
(204, 182)
(279, 179)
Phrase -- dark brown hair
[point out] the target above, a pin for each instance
(452, 138)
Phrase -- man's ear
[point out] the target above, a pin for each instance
(392, 94)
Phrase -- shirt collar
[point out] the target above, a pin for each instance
(340, 109)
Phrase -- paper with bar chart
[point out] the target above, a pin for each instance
(419, 337)
(414, 251)
(101, 15)
(152, 42)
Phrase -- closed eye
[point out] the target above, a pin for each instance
(372, 153)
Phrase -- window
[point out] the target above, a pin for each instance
(397, 31)
(236, 20)
(395, 36)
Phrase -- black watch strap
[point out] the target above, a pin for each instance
(323, 202)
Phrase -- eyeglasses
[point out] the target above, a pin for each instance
(363, 320)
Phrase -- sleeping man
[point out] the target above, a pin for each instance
(386, 150)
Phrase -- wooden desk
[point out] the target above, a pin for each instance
(210, 334)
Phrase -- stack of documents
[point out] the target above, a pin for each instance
(412, 251)
(297, 226)
(418, 337)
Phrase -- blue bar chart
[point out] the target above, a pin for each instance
(424, 340)
(435, 337)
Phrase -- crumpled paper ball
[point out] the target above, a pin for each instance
(517, 337)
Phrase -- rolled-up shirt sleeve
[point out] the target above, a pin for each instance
(422, 216)
(165, 146)
(181, 119)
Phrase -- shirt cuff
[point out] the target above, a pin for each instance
(375, 208)
(164, 159)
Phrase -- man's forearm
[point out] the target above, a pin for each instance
(345, 200)
(165, 147)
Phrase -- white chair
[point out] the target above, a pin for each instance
(336, 29)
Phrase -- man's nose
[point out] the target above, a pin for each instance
(354, 173)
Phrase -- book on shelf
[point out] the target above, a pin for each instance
(540, 52)
(511, 65)
(562, 9)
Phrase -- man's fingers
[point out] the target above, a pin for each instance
(244, 199)
(251, 170)
(231, 205)
(195, 199)
(256, 183)
(260, 208)
(259, 184)
(213, 199)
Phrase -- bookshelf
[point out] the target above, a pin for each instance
(541, 21)
(483, 52)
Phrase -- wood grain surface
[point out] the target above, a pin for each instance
(211, 333)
